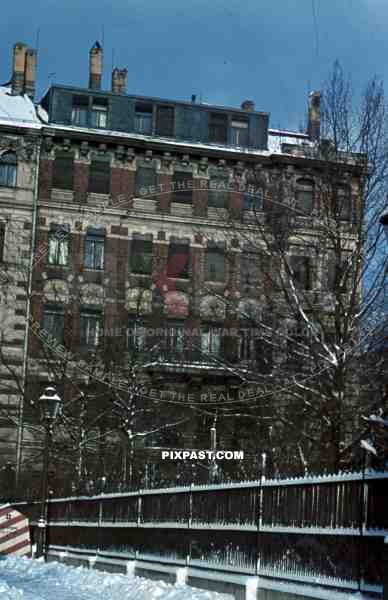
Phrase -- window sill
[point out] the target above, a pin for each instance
(57, 266)
(138, 274)
(145, 204)
(181, 209)
(59, 195)
(92, 270)
(214, 282)
(94, 197)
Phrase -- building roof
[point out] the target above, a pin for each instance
(278, 137)
(17, 110)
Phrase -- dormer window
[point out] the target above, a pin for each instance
(143, 118)
(79, 113)
(239, 133)
(165, 121)
(305, 196)
(99, 113)
(218, 128)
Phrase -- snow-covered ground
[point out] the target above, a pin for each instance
(25, 579)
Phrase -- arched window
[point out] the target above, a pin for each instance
(305, 196)
(8, 164)
(342, 201)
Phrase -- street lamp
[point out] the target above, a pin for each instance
(50, 407)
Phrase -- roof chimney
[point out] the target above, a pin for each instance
(18, 67)
(119, 81)
(248, 105)
(314, 116)
(95, 67)
(30, 72)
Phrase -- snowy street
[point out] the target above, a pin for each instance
(25, 579)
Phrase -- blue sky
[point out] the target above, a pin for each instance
(271, 51)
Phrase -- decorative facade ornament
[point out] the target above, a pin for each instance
(239, 169)
(130, 154)
(84, 149)
(203, 164)
(48, 144)
(212, 308)
(167, 160)
(120, 153)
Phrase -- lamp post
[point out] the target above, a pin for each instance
(50, 405)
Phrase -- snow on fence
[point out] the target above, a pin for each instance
(327, 529)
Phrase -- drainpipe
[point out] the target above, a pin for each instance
(19, 442)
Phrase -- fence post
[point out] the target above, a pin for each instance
(138, 508)
(99, 525)
(189, 523)
(260, 509)
(385, 569)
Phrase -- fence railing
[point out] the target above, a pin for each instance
(327, 529)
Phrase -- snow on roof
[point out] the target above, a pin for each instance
(18, 110)
(275, 140)
(277, 137)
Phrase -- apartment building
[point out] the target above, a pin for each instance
(19, 156)
(149, 243)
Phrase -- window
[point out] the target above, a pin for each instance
(210, 339)
(8, 164)
(94, 249)
(99, 113)
(305, 196)
(300, 266)
(343, 204)
(215, 262)
(218, 192)
(136, 335)
(79, 113)
(145, 180)
(91, 328)
(339, 274)
(63, 172)
(252, 200)
(99, 176)
(141, 256)
(251, 269)
(247, 342)
(165, 121)
(182, 186)
(239, 133)
(218, 128)
(178, 263)
(2, 241)
(53, 322)
(58, 253)
(143, 118)
(174, 337)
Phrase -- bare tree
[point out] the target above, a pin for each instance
(310, 250)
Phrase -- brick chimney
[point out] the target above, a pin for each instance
(314, 116)
(18, 67)
(95, 67)
(30, 72)
(248, 105)
(119, 81)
